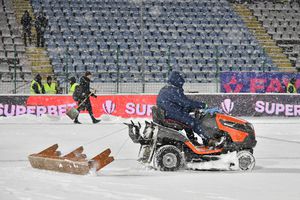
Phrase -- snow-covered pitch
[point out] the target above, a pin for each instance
(276, 175)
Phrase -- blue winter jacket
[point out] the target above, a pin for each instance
(173, 101)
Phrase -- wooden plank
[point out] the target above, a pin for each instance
(101, 160)
(50, 150)
(59, 165)
(76, 155)
(74, 162)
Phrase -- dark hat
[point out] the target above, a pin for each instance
(176, 79)
(38, 77)
(293, 80)
(87, 73)
(49, 78)
(72, 79)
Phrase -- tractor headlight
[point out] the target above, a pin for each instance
(249, 127)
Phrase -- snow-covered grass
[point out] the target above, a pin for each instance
(276, 175)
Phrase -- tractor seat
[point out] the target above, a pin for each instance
(159, 117)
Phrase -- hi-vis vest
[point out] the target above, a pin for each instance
(32, 90)
(294, 88)
(72, 88)
(50, 89)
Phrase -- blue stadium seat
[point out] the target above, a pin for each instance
(197, 33)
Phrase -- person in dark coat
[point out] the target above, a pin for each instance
(41, 24)
(177, 106)
(26, 23)
(85, 94)
(36, 86)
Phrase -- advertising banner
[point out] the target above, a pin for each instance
(256, 82)
(126, 106)
(139, 106)
(254, 104)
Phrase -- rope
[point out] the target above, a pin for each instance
(105, 136)
(108, 135)
(122, 146)
(20, 160)
(280, 140)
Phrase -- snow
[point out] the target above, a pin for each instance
(222, 164)
(276, 175)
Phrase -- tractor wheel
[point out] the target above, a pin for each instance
(246, 160)
(168, 158)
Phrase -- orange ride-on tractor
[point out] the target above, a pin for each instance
(166, 144)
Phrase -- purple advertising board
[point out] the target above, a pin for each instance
(256, 82)
(287, 105)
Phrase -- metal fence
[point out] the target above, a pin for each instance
(113, 88)
(15, 88)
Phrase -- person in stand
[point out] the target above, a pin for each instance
(36, 86)
(73, 85)
(291, 87)
(50, 87)
(177, 106)
(26, 23)
(84, 97)
(41, 24)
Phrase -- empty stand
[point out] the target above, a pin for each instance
(282, 21)
(12, 49)
(104, 36)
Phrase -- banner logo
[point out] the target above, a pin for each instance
(227, 106)
(109, 106)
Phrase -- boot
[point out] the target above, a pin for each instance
(76, 121)
(194, 140)
(196, 143)
(95, 121)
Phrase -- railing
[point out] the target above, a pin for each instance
(113, 88)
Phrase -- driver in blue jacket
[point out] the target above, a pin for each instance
(177, 106)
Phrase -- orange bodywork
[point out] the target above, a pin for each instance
(202, 150)
(236, 135)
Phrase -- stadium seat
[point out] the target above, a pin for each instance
(188, 36)
(281, 20)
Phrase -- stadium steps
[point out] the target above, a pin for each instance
(37, 56)
(39, 60)
(20, 6)
(265, 40)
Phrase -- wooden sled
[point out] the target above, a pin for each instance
(74, 162)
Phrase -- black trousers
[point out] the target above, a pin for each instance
(26, 34)
(86, 106)
(40, 40)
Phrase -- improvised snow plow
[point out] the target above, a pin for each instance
(74, 162)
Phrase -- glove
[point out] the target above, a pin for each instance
(212, 111)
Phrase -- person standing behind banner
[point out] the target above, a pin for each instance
(36, 86)
(50, 87)
(26, 23)
(82, 94)
(291, 87)
(73, 85)
(41, 24)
